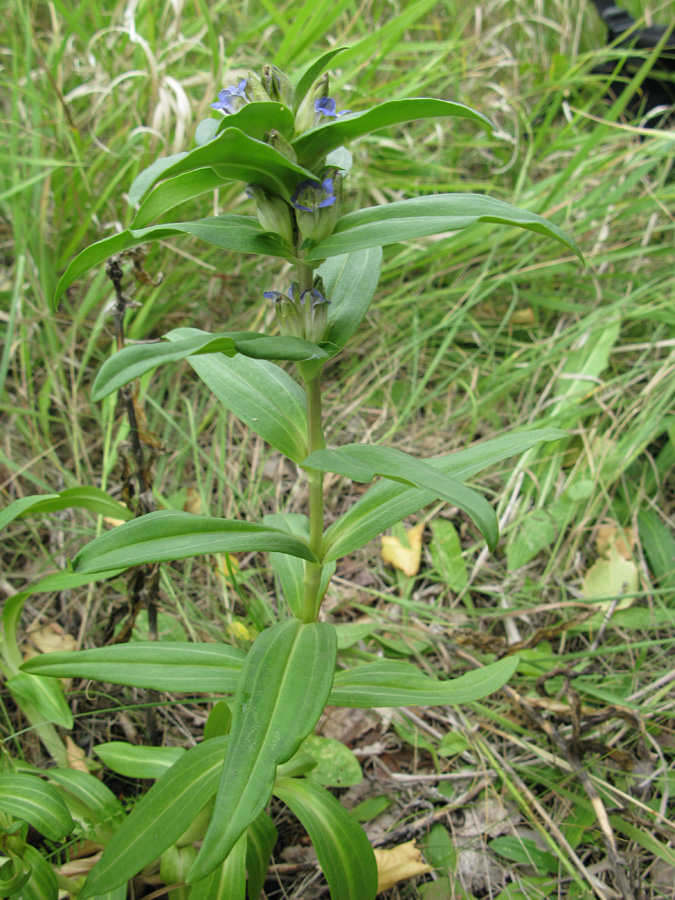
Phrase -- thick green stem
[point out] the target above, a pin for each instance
(315, 441)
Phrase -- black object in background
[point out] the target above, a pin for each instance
(658, 88)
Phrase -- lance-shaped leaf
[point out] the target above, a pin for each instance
(283, 688)
(236, 156)
(362, 462)
(84, 497)
(240, 233)
(378, 226)
(42, 884)
(262, 836)
(228, 880)
(260, 393)
(167, 535)
(350, 283)
(138, 762)
(390, 682)
(385, 504)
(175, 667)
(145, 179)
(160, 817)
(133, 361)
(312, 72)
(173, 191)
(291, 570)
(315, 144)
(341, 845)
(22, 507)
(28, 798)
(43, 696)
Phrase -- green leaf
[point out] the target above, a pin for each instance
(260, 393)
(206, 130)
(658, 544)
(84, 497)
(520, 849)
(88, 790)
(132, 362)
(22, 506)
(343, 850)
(257, 118)
(315, 144)
(227, 881)
(404, 220)
(159, 818)
(336, 765)
(28, 798)
(385, 503)
(397, 683)
(283, 688)
(42, 884)
(13, 876)
(155, 665)
(262, 836)
(309, 76)
(350, 281)
(289, 569)
(174, 191)
(145, 179)
(234, 155)
(44, 695)
(362, 462)
(137, 762)
(231, 232)
(168, 535)
(446, 553)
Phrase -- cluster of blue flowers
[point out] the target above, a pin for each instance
(314, 207)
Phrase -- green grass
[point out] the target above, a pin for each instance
(467, 338)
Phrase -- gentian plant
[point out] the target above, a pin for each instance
(285, 139)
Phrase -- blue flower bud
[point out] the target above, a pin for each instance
(318, 205)
(304, 316)
(274, 214)
(277, 85)
(231, 98)
(326, 106)
(306, 117)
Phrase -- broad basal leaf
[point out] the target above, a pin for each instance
(283, 688)
(43, 695)
(341, 845)
(399, 683)
(404, 220)
(133, 361)
(84, 497)
(29, 798)
(22, 506)
(160, 817)
(386, 503)
(260, 393)
(262, 836)
(362, 462)
(168, 535)
(315, 144)
(240, 233)
(134, 761)
(174, 667)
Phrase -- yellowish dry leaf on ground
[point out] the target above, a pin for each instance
(407, 559)
(113, 523)
(50, 638)
(610, 578)
(76, 756)
(398, 864)
(193, 502)
(624, 539)
(523, 316)
(240, 632)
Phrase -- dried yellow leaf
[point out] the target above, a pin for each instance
(76, 756)
(407, 559)
(398, 864)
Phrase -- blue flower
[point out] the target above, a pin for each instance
(312, 195)
(318, 205)
(326, 106)
(230, 98)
